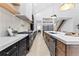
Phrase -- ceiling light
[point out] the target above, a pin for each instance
(67, 6)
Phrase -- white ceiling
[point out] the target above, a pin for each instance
(39, 7)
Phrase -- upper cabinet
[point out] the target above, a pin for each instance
(20, 10)
(9, 7)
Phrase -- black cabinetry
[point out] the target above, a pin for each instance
(10, 51)
(19, 48)
(22, 47)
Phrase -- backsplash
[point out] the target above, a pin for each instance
(7, 19)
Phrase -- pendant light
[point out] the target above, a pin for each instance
(67, 6)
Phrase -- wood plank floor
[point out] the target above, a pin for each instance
(39, 47)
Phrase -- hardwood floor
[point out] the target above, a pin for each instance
(39, 47)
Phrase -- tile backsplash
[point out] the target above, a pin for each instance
(7, 19)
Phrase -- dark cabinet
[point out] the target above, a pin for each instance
(10, 51)
(22, 47)
(2, 53)
(18, 49)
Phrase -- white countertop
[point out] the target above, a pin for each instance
(7, 41)
(69, 40)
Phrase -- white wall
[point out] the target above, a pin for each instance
(26, 9)
(70, 25)
(7, 19)
(47, 12)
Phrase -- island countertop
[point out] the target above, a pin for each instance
(68, 40)
(8, 41)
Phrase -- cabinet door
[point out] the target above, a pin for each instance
(60, 48)
(2, 53)
(60, 52)
(22, 52)
(11, 51)
(22, 47)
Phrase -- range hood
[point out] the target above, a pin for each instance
(23, 17)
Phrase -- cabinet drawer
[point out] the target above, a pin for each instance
(60, 45)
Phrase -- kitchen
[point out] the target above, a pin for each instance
(39, 29)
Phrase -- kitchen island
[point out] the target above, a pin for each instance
(65, 45)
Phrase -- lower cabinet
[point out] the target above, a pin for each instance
(56, 47)
(22, 47)
(60, 49)
(50, 41)
(17, 49)
(10, 51)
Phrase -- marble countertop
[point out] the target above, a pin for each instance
(8, 41)
(69, 40)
